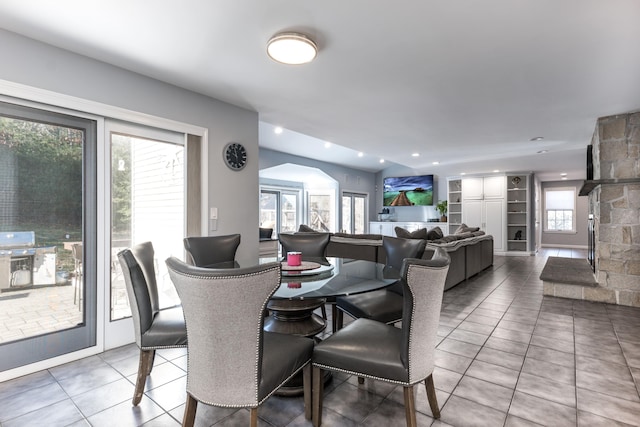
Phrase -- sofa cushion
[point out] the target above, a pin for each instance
(421, 233)
(435, 233)
(359, 236)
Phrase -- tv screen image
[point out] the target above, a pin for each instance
(408, 191)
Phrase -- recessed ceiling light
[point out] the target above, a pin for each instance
(292, 48)
(415, 155)
(463, 173)
(381, 160)
(496, 171)
(563, 174)
(543, 151)
(360, 154)
(327, 145)
(278, 130)
(435, 163)
(537, 138)
(564, 178)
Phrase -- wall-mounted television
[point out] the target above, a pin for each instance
(408, 191)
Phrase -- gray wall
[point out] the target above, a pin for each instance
(348, 179)
(42, 66)
(580, 239)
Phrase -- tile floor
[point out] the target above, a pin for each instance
(507, 356)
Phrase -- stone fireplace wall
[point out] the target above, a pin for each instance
(615, 204)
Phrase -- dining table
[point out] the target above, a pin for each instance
(305, 288)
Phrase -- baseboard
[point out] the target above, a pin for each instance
(565, 246)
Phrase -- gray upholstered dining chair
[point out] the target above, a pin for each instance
(403, 356)
(155, 328)
(312, 245)
(232, 361)
(210, 250)
(384, 305)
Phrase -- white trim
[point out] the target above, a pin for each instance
(48, 363)
(552, 245)
(29, 96)
(80, 105)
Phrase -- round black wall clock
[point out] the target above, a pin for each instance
(235, 156)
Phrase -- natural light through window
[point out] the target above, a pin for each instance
(560, 207)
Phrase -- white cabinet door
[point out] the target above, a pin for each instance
(494, 222)
(494, 187)
(472, 213)
(384, 228)
(472, 188)
(489, 215)
(375, 227)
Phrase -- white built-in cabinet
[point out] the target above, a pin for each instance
(387, 228)
(499, 205)
(483, 205)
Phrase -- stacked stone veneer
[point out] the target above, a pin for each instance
(616, 210)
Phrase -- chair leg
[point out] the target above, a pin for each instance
(339, 319)
(152, 360)
(306, 385)
(190, 407)
(146, 358)
(410, 406)
(334, 317)
(254, 417)
(431, 395)
(317, 396)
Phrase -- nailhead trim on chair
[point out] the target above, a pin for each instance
(331, 368)
(264, 306)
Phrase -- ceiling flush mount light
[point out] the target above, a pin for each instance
(435, 163)
(415, 155)
(292, 48)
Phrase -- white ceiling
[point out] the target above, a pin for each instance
(465, 83)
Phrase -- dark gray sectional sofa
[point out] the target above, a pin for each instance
(470, 252)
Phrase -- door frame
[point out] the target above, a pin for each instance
(25, 95)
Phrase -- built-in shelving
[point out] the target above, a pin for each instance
(517, 213)
(454, 198)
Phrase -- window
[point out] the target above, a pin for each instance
(560, 208)
(279, 209)
(354, 213)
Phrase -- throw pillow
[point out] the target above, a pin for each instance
(406, 234)
(463, 228)
(305, 229)
(435, 233)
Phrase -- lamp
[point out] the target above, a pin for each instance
(291, 48)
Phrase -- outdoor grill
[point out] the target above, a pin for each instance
(22, 264)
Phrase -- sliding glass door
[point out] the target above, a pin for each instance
(147, 204)
(47, 234)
